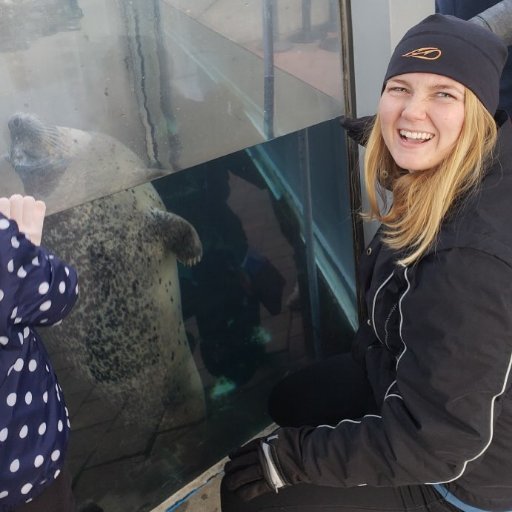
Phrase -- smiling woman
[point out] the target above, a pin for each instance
(420, 420)
(427, 170)
(433, 135)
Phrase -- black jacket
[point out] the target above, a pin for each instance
(438, 351)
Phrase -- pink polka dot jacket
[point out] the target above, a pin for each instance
(36, 289)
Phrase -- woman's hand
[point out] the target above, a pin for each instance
(28, 214)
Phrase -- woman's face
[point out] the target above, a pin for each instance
(421, 117)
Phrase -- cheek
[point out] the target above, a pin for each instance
(387, 121)
(452, 126)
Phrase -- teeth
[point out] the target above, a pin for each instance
(416, 135)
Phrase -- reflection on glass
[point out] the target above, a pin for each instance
(183, 326)
(178, 83)
(281, 161)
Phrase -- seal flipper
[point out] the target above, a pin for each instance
(180, 236)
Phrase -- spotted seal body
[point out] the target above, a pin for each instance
(126, 334)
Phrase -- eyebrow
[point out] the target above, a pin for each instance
(436, 86)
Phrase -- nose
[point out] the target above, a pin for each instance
(415, 108)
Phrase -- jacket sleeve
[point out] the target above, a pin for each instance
(36, 287)
(438, 415)
(498, 19)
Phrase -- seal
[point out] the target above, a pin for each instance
(94, 164)
(126, 334)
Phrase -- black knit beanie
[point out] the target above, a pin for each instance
(458, 49)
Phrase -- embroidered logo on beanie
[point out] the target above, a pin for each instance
(428, 53)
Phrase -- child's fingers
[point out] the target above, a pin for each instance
(5, 206)
(28, 214)
(16, 201)
(32, 211)
(33, 219)
(40, 208)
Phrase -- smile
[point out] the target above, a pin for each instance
(416, 136)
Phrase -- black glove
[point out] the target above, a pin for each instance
(254, 469)
(359, 128)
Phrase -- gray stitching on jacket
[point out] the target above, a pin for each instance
(386, 334)
(374, 301)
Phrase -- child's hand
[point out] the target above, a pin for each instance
(28, 214)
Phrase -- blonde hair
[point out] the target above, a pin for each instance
(421, 200)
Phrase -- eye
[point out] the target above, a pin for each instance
(444, 94)
(397, 89)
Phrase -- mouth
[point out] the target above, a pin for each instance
(25, 166)
(415, 137)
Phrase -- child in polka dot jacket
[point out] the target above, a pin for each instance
(36, 288)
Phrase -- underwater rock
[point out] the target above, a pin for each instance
(126, 333)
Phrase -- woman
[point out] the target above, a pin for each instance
(36, 288)
(423, 419)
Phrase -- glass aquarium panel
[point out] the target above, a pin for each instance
(194, 302)
(320, 151)
(97, 96)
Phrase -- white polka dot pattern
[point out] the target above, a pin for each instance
(43, 288)
(46, 305)
(37, 288)
(26, 488)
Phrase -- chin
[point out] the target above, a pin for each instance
(409, 166)
(413, 166)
